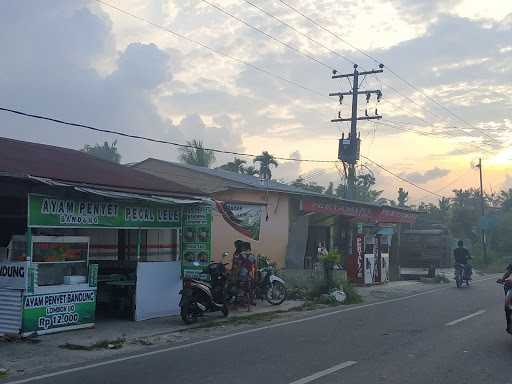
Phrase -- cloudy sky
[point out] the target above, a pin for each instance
(86, 62)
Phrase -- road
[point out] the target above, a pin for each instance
(441, 336)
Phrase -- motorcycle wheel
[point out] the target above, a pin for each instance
(225, 310)
(187, 315)
(276, 293)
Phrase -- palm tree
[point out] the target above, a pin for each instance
(236, 166)
(197, 154)
(106, 151)
(250, 170)
(266, 160)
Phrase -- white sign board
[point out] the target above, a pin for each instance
(13, 275)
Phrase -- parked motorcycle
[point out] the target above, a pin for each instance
(462, 274)
(269, 286)
(199, 297)
(507, 285)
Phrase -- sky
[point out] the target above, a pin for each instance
(86, 62)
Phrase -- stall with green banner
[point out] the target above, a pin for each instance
(84, 251)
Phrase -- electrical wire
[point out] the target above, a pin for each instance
(122, 134)
(374, 59)
(213, 50)
(400, 177)
(118, 133)
(285, 44)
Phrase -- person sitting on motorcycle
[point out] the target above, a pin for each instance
(506, 280)
(461, 256)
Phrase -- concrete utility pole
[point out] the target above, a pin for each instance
(348, 150)
(482, 207)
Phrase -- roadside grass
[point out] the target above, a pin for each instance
(4, 374)
(101, 344)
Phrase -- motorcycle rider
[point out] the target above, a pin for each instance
(506, 280)
(461, 256)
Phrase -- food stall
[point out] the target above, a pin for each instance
(49, 283)
(102, 254)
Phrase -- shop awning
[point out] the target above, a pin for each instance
(360, 211)
(127, 195)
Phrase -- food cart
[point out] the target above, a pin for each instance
(49, 284)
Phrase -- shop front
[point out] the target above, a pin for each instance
(368, 231)
(88, 254)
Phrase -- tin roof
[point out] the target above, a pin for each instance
(25, 159)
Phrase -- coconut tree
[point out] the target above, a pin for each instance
(106, 151)
(236, 166)
(196, 154)
(266, 161)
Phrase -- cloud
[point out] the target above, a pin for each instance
(48, 67)
(425, 177)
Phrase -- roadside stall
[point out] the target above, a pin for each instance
(89, 251)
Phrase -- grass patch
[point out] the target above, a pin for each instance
(102, 344)
(4, 373)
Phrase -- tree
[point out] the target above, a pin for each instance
(403, 196)
(236, 166)
(363, 189)
(106, 151)
(505, 198)
(250, 170)
(266, 161)
(196, 154)
(310, 186)
(330, 189)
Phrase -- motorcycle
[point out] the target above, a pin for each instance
(507, 285)
(199, 297)
(462, 274)
(269, 286)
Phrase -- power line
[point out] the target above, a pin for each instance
(213, 50)
(122, 134)
(407, 82)
(60, 121)
(445, 186)
(289, 46)
(299, 32)
(400, 177)
(323, 46)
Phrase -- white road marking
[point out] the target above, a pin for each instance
(323, 373)
(231, 335)
(478, 313)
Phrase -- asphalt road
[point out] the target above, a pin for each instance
(446, 335)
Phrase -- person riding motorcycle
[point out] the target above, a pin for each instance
(506, 280)
(461, 256)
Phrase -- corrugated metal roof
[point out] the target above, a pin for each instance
(24, 159)
(237, 180)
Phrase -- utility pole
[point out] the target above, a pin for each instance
(348, 149)
(482, 207)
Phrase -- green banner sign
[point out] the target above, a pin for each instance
(196, 240)
(47, 211)
(43, 313)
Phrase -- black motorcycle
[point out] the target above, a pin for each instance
(199, 297)
(462, 274)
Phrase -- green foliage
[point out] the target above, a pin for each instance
(105, 152)
(311, 186)
(403, 197)
(196, 154)
(236, 166)
(266, 161)
(331, 257)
